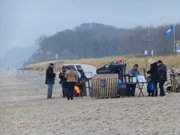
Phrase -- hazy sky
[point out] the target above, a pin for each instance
(23, 21)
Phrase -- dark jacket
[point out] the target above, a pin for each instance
(162, 72)
(153, 72)
(50, 76)
(62, 77)
(83, 77)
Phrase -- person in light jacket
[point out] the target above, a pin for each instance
(134, 72)
(71, 79)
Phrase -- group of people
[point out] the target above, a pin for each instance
(68, 79)
(157, 75)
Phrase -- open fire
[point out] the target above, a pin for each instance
(77, 90)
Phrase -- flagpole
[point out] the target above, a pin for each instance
(174, 38)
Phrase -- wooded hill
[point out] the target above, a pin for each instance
(91, 40)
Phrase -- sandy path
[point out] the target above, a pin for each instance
(25, 111)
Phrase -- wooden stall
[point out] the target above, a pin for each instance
(107, 86)
(104, 86)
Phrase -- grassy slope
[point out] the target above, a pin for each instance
(170, 60)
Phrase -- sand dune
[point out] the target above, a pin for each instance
(24, 110)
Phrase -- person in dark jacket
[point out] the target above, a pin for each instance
(50, 79)
(63, 81)
(154, 76)
(82, 81)
(121, 70)
(162, 73)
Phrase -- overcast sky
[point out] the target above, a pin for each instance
(23, 21)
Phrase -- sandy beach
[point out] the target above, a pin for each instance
(24, 110)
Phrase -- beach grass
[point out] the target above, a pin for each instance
(143, 61)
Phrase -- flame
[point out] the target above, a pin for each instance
(77, 89)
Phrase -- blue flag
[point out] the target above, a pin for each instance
(169, 31)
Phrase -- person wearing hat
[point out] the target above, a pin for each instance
(50, 79)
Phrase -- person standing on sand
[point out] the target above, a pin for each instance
(71, 78)
(134, 72)
(63, 81)
(82, 81)
(162, 73)
(50, 79)
(153, 72)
